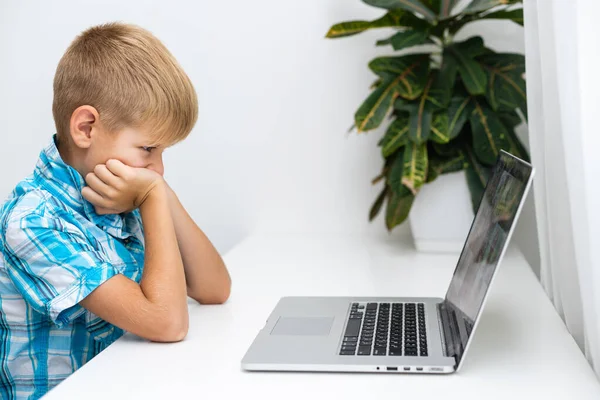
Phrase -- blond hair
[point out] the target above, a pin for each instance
(130, 78)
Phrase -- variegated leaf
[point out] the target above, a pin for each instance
(471, 72)
(396, 171)
(414, 172)
(396, 136)
(350, 28)
(398, 208)
(444, 165)
(405, 39)
(376, 207)
(410, 72)
(439, 127)
(506, 88)
(374, 109)
(458, 113)
(421, 113)
(443, 83)
(489, 134)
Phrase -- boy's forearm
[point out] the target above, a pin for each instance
(163, 280)
(207, 278)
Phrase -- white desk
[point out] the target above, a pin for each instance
(521, 349)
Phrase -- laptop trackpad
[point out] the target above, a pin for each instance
(303, 326)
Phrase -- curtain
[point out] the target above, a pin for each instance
(562, 47)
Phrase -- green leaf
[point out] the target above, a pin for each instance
(444, 165)
(458, 113)
(446, 150)
(396, 171)
(439, 127)
(443, 83)
(506, 91)
(513, 15)
(414, 6)
(471, 48)
(414, 172)
(376, 207)
(509, 118)
(350, 28)
(420, 124)
(477, 176)
(384, 42)
(376, 84)
(421, 113)
(408, 38)
(504, 62)
(471, 72)
(506, 88)
(516, 147)
(447, 124)
(374, 109)
(445, 7)
(396, 136)
(398, 208)
(401, 104)
(410, 72)
(489, 134)
(409, 20)
(482, 5)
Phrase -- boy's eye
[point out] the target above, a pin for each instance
(148, 149)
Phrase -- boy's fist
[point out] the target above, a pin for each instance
(114, 187)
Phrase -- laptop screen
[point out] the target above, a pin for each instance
(500, 204)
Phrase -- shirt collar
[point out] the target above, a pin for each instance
(66, 183)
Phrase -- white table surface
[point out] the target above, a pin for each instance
(521, 349)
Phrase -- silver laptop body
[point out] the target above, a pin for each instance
(396, 334)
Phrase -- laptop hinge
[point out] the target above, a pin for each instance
(449, 332)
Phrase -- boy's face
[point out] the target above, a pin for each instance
(92, 145)
(130, 146)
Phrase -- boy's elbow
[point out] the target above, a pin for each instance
(216, 297)
(174, 329)
(225, 293)
(223, 296)
(175, 332)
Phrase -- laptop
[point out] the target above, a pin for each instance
(398, 334)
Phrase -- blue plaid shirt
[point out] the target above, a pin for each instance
(54, 251)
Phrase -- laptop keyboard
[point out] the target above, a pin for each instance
(385, 329)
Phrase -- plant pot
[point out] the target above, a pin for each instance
(442, 214)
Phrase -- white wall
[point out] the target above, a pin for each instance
(270, 150)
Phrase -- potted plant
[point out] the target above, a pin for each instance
(452, 105)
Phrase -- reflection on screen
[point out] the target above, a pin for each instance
(484, 245)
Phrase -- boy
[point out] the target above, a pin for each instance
(94, 242)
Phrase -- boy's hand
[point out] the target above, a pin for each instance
(114, 187)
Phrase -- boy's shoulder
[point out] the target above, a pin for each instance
(27, 198)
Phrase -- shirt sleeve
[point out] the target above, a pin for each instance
(53, 265)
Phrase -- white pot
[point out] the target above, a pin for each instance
(441, 214)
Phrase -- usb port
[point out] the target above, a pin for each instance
(419, 368)
(392, 368)
(407, 368)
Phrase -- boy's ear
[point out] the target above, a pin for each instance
(84, 121)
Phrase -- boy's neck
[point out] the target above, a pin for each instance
(65, 155)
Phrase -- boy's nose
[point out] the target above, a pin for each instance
(157, 167)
